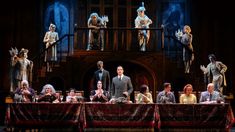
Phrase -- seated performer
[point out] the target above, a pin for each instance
(72, 97)
(211, 96)
(24, 93)
(47, 94)
(188, 97)
(166, 96)
(144, 96)
(99, 95)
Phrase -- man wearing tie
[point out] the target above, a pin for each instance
(210, 96)
(102, 75)
(121, 85)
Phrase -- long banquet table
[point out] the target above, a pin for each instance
(196, 116)
(43, 115)
(90, 116)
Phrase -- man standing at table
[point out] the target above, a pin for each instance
(101, 75)
(121, 85)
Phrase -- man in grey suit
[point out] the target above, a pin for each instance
(101, 75)
(210, 96)
(121, 85)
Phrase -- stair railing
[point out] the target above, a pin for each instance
(39, 58)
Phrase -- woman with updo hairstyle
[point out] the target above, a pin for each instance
(187, 97)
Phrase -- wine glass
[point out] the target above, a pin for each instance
(61, 98)
(36, 98)
(91, 98)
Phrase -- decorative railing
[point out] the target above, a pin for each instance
(39, 58)
(120, 38)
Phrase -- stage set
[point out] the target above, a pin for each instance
(154, 41)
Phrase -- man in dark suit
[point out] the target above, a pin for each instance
(102, 75)
(121, 85)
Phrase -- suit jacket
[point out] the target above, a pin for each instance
(105, 79)
(205, 96)
(120, 86)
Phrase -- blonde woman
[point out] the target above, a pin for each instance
(188, 97)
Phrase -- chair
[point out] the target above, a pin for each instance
(79, 93)
(67, 91)
(59, 91)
